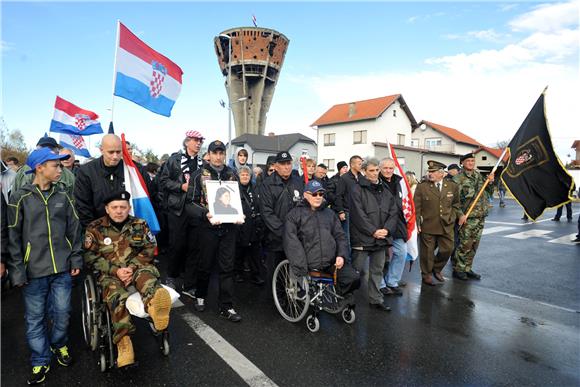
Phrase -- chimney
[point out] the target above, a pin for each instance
(271, 134)
(351, 109)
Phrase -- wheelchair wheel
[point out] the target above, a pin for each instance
(331, 301)
(292, 306)
(348, 315)
(109, 347)
(89, 313)
(312, 323)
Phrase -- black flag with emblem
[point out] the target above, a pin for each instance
(534, 174)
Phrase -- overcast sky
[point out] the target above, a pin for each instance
(476, 67)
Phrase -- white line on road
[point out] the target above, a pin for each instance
(517, 224)
(564, 240)
(529, 234)
(234, 358)
(492, 230)
(539, 302)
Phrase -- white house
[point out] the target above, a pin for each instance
(441, 138)
(354, 128)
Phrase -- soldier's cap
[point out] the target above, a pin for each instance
(215, 146)
(41, 156)
(194, 134)
(453, 166)
(467, 156)
(46, 141)
(314, 186)
(283, 156)
(434, 165)
(119, 195)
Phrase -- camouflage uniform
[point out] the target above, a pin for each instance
(470, 233)
(108, 249)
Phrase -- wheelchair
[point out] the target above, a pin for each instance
(98, 326)
(293, 300)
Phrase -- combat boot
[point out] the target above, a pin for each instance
(125, 354)
(159, 308)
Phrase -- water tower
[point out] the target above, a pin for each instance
(250, 58)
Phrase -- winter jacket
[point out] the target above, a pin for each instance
(94, 182)
(252, 230)
(171, 179)
(44, 234)
(400, 231)
(372, 207)
(313, 239)
(344, 189)
(277, 198)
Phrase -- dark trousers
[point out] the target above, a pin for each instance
(568, 211)
(192, 263)
(251, 254)
(427, 245)
(180, 232)
(217, 245)
(348, 280)
(272, 258)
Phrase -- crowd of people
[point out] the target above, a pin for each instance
(59, 217)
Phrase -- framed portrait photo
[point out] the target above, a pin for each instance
(224, 203)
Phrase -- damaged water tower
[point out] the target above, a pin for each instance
(250, 59)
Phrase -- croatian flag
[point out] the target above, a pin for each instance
(75, 143)
(141, 206)
(144, 76)
(408, 209)
(69, 118)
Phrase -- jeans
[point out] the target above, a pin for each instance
(501, 194)
(47, 299)
(397, 264)
(568, 211)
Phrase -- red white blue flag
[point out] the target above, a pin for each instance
(144, 76)
(141, 206)
(408, 208)
(69, 118)
(75, 143)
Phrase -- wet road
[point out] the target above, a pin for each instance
(520, 325)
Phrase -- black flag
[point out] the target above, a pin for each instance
(534, 174)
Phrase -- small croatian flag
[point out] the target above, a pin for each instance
(144, 76)
(69, 118)
(75, 143)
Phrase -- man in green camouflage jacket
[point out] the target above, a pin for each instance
(470, 182)
(120, 247)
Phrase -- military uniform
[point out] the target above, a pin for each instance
(107, 249)
(436, 211)
(470, 183)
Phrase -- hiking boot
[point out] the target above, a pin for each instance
(460, 275)
(230, 314)
(199, 304)
(125, 354)
(239, 278)
(159, 308)
(62, 356)
(473, 275)
(38, 374)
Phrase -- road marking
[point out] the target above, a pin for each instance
(539, 302)
(529, 234)
(565, 240)
(518, 224)
(234, 358)
(492, 230)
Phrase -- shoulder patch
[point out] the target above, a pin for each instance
(89, 240)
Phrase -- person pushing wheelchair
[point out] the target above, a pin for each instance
(314, 241)
(120, 247)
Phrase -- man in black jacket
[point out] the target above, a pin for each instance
(218, 241)
(279, 193)
(373, 221)
(174, 183)
(328, 184)
(314, 241)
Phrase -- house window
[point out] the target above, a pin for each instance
(394, 112)
(400, 139)
(329, 139)
(431, 143)
(484, 158)
(330, 164)
(415, 142)
(359, 137)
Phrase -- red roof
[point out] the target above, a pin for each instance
(454, 134)
(496, 152)
(359, 110)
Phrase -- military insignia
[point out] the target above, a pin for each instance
(107, 241)
(150, 236)
(88, 240)
(529, 155)
(284, 155)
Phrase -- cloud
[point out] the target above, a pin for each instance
(414, 18)
(548, 17)
(489, 35)
(507, 7)
(6, 46)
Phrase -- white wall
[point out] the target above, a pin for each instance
(447, 144)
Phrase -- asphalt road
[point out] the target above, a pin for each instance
(519, 325)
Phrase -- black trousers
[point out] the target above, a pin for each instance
(180, 250)
(251, 254)
(348, 280)
(217, 245)
(272, 259)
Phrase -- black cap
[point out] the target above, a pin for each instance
(271, 160)
(453, 166)
(467, 156)
(119, 195)
(434, 166)
(283, 156)
(340, 165)
(215, 146)
(46, 141)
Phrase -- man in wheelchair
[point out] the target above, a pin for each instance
(315, 242)
(120, 248)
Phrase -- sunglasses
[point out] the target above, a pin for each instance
(315, 194)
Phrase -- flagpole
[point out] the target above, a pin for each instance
(485, 184)
(115, 69)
